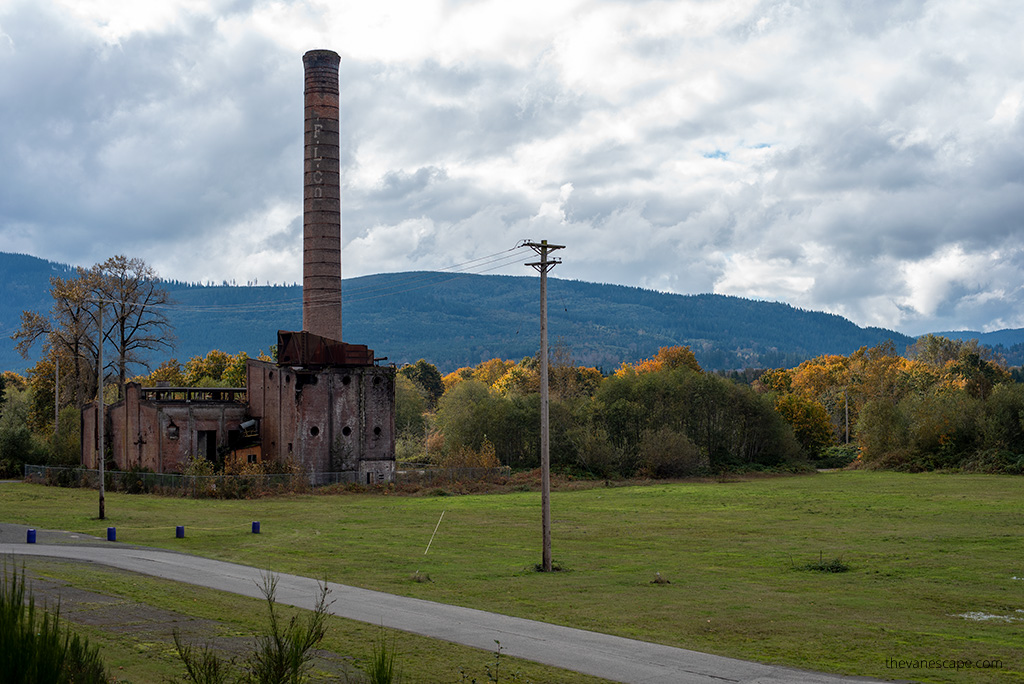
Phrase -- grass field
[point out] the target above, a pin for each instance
(936, 561)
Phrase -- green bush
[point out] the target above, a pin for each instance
(382, 668)
(66, 445)
(281, 655)
(39, 649)
(731, 426)
(665, 453)
(596, 456)
(836, 456)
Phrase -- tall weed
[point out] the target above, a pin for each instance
(282, 654)
(39, 649)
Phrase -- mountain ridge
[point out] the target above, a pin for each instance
(455, 320)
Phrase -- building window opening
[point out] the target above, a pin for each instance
(346, 431)
(172, 431)
(314, 431)
(376, 431)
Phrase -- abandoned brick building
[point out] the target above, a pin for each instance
(324, 404)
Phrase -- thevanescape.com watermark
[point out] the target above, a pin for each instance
(942, 664)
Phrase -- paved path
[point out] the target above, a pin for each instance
(601, 655)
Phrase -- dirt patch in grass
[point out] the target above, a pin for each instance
(143, 623)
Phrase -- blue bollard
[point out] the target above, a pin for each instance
(31, 537)
(255, 526)
(111, 534)
(179, 532)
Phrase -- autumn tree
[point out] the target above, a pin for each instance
(137, 325)
(809, 421)
(489, 372)
(568, 380)
(170, 372)
(410, 405)
(427, 376)
(131, 297)
(936, 350)
(68, 335)
(974, 373)
(667, 358)
(778, 380)
(456, 376)
(520, 379)
(207, 370)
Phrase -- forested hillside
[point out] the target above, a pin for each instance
(24, 285)
(455, 320)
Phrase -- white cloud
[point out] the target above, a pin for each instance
(864, 159)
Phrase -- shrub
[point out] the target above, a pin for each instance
(837, 456)
(467, 457)
(66, 445)
(666, 453)
(281, 655)
(382, 668)
(595, 454)
(41, 650)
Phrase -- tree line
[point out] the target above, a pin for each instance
(944, 404)
(940, 404)
(663, 417)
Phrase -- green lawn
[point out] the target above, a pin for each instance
(923, 551)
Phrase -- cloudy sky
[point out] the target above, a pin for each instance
(863, 157)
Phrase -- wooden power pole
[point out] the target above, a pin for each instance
(543, 266)
(102, 414)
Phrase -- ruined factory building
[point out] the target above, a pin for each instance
(324, 404)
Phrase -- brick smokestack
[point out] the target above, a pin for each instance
(321, 205)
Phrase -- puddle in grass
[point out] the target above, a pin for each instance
(978, 616)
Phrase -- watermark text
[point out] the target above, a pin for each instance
(943, 664)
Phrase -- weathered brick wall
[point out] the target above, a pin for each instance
(329, 420)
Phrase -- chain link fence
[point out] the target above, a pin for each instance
(241, 485)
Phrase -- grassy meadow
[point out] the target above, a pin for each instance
(935, 563)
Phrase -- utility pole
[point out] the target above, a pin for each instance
(846, 398)
(56, 395)
(543, 266)
(102, 413)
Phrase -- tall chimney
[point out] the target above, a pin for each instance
(321, 198)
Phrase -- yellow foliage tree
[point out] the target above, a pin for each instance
(778, 380)
(809, 420)
(455, 377)
(667, 358)
(169, 371)
(518, 380)
(234, 374)
(489, 372)
(467, 457)
(821, 376)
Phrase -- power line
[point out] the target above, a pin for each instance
(475, 266)
(410, 283)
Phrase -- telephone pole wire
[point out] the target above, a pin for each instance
(543, 266)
